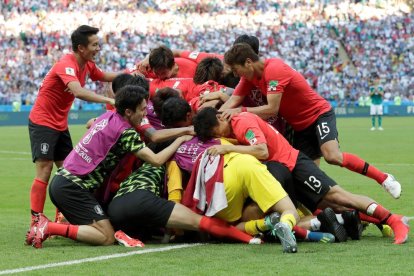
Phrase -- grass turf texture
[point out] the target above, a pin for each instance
(390, 150)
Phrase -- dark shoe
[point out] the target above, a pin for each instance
(352, 224)
(330, 224)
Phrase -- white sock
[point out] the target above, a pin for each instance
(340, 218)
(315, 224)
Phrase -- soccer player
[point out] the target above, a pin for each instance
(161, 64)
(312, 186)
(177, 112)
(376, 93)
(48, 127)
(289, 95)
(110, 138)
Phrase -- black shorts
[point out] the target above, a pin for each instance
(48, 143)
(78, 205)
(310, 183)
(139, 209)
(284, 176)
(309, 140)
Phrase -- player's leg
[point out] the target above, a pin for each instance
(372, 112)
(368, 206)
(327, 135)
(380, 112)
(88, 222)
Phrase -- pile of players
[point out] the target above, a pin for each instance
(229, 145)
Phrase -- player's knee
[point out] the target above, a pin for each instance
(333, 157)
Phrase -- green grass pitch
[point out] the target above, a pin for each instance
(391, 150)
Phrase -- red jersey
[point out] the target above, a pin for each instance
(197, 57)
(300, 104)
(186, 69)
(250, 129)
(54, 100)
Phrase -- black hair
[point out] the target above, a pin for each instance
(161, 96)
(174, 110)
(209, 68)
(139, 81)
(249, 39)
(80, 36)
(120, 81)
(161, 58)
(129, 97)
(239, 53)
(204, 122)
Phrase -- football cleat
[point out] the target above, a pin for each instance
(127, 241)
(392, 186)
(330, 224)
(41, 233)
(399, 225)
(352, 224)
(286, 237)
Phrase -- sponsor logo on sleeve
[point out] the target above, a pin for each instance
(194, 55)
(251, 137)
(70, 71)
(272, 85)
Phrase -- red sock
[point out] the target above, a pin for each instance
(378, 212)
(356, 164)
(38, 195)
(221, 229)
(300, 232)
(65, 230)
(368, 218)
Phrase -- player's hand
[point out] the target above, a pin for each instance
(185, 138)
(229, 113)
(190, 130)
(111, 102)
(209, 97)
(212, 103)
(217, 150)
(143, 66)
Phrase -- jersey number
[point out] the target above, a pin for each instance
(323, 130)
(314, 184)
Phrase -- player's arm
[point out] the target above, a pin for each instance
(87, 95)
(160, 158)
(110, 76)
(268, 110)
(162, 135)
(177, 53)
(259, 151)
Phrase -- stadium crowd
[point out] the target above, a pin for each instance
(307, 34)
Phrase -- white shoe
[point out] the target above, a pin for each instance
(392, 186)
(380, 128)
(255, 241)
(372, 128)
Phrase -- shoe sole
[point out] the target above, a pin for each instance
(330, 224)
(286, 238)
(352, 225)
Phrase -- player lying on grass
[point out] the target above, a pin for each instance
(239, 183)
(312, 186)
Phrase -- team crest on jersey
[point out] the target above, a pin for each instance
(272, 85)
(194, 55)
(176, 84)
(251, 137)
(98, 210)
(144, 121)
(70, 71)
(44, 148)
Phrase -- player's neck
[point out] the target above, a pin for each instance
(259, 68)
(81, 61)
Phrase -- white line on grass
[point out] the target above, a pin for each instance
(16, 152)
(96, 259)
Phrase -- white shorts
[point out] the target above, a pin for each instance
(376, 109)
